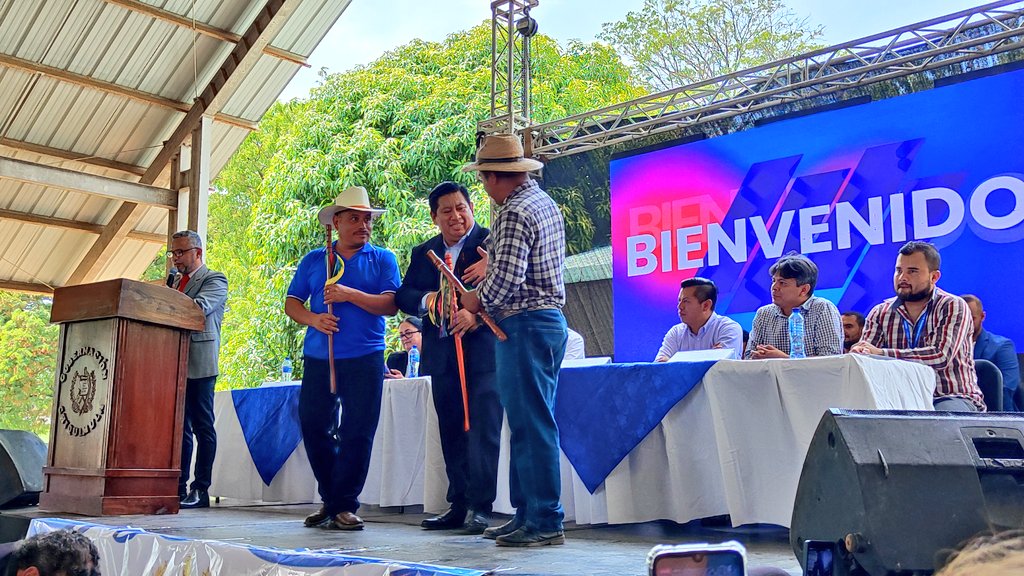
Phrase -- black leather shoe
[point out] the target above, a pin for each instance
(476, 522)
(196, 499)
(503, 530)
(450, 520)
(526, 538)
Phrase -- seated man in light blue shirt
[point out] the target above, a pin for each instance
(701, 328)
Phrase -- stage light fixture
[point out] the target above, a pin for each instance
(526, 26)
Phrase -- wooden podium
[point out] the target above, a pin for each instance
(118, 401)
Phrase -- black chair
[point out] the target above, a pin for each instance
(990, 380)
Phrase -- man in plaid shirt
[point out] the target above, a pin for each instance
(794, 277)
(524, 291)
(922, 323)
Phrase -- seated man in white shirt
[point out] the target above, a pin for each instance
(574, 347)
(701, 328)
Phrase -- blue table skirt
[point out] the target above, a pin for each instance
(603, 413)
(270, 425)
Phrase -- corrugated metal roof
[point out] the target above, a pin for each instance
(153, 69)
(589, 266)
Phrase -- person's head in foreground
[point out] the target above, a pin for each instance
(996, 554)
(58, 553)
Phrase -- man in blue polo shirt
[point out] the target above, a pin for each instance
(361, 298)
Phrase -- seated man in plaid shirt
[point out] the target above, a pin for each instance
(922, 323)
(793, 279)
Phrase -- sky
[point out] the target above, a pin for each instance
(369, 28)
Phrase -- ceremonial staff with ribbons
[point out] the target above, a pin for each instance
(341, 292)
(335, 267)
(458, 355)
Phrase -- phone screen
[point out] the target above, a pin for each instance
(819, 558)
(716, 563)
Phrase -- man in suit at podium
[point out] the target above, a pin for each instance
(209, 289)
(470, 458)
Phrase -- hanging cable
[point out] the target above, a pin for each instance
(195, 58)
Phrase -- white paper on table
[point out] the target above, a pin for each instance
(276, 383)
(698, 355)
(580, 362)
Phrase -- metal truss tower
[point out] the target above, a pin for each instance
(511, 29)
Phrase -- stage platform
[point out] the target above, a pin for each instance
(395, 534)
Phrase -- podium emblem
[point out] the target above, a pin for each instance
(83, 391)
(77, 411)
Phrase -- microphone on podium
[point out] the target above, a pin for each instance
(170, 277)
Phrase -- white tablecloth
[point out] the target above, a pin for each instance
(765, 413)
(734, 445)
(396, 465)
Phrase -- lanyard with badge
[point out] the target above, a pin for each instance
(918, 329)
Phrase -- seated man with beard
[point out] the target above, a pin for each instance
(925, 324)
(853, 328)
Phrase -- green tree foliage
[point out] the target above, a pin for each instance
(397, 126)
(677, 42)
(29, 345)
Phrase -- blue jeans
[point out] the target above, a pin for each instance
(527, 370)
(340, 458)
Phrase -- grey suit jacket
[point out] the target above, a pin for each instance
(209, 289)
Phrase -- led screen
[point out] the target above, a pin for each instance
(847, 188)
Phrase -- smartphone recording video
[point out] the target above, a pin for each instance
(727, 559)
(819, 558)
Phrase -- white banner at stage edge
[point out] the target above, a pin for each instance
(131, 552)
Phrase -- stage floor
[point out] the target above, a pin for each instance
(395, 534)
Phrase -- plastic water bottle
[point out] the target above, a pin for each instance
(796, 335)
(286, 370)
(413, 369)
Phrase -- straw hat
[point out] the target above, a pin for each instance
(502, 153)
(353, 198)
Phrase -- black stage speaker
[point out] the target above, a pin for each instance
(22, 457)
(894, 488)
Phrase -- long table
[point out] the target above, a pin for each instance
(733, 444)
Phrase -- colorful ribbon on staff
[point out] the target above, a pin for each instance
(335, 267)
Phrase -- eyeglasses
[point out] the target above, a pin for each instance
(180, 253)
(408, 334)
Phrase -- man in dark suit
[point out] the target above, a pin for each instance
(471, 458)
(209, 290)
(998, 350)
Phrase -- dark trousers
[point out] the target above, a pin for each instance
(198, 421)
(340, 456)
(528, 364)
(470, 458)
